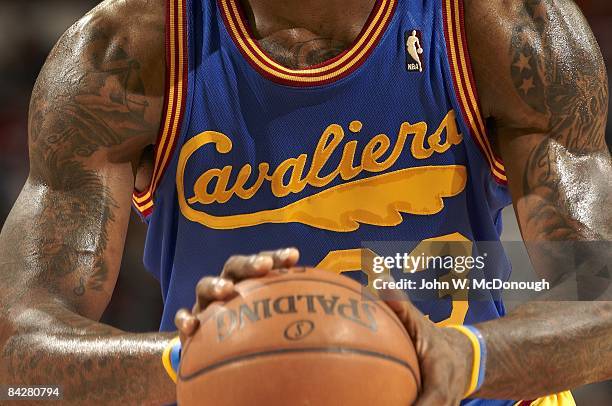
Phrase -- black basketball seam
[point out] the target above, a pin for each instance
(389, 312)
(319, 350)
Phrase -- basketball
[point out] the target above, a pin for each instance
(299, 337)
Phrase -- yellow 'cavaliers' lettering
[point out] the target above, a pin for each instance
(378, 200)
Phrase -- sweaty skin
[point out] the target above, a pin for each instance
(543, 88)
(94, 116)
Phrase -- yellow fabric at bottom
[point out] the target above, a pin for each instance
(560, 399)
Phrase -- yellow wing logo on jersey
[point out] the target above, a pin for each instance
(378, 200)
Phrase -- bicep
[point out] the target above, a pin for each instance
(546, 95)
(90, 118)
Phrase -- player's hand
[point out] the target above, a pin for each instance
(221, 288)
(444, 354)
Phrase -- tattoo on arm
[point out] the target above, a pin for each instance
(93, 106)
(551, 123)
(94, 363)
(563, 345)
(558, 71)
(90, 116)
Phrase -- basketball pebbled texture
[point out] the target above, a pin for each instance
(299, 336)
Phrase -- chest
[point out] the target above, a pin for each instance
(302, 34)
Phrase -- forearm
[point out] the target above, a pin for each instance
(543, 348)
(92, 362)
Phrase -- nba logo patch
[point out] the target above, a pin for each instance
(414, 51)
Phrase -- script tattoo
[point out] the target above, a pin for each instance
(558, 71)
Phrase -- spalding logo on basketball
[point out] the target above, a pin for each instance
(299, 337)
(299, 329)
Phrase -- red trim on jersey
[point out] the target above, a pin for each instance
(174, 101)
(464, 84)
(329, 71)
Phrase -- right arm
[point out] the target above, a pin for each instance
(95, 107)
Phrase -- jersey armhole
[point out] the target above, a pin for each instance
(174, 102)
(465, 86)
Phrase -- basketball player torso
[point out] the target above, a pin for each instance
(382, 142)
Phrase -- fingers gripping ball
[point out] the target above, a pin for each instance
(299, 337)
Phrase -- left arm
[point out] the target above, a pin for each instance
(547, 98)
(543, 89)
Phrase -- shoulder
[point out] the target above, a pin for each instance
(126, 15)
(523, 51)
(129, 30)
(102, 86)
(480, 13)
(136, 27)
(488, 21)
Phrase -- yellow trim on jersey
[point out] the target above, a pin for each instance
(175, 99)
(144, 206)
(465, 85)
(470, 86)
(560, 399)
(346, 61)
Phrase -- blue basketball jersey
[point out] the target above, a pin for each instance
(384, 142)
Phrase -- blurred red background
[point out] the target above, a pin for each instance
(28, 30)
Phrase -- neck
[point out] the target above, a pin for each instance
(267, 17)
